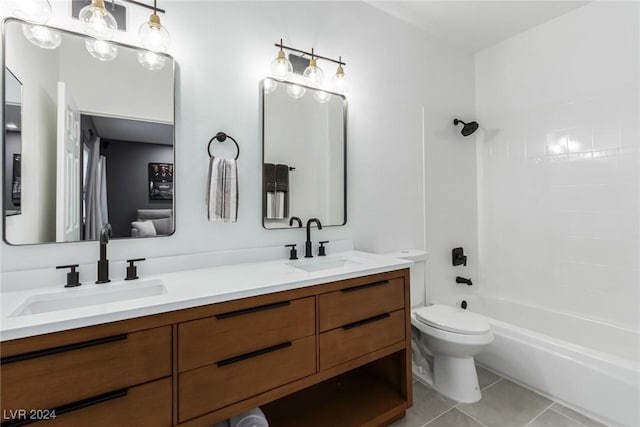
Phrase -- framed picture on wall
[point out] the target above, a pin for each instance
(160, 181)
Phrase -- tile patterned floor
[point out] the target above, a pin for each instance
(503, 404)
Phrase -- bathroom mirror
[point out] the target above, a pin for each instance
(89, 137)
(303, 153)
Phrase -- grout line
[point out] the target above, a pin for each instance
(495, 382)
(442, 414)
(567, 416)
(472, 417)
(543, 411)
(438, 416)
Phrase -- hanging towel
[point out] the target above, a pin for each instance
(222, 190)
(282, 188)
(252, 418)
(269, 171)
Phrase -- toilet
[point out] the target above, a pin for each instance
(444, 339)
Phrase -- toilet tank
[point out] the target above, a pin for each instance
(418, 273)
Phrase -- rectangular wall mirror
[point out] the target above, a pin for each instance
(88, 140)
(304, 154)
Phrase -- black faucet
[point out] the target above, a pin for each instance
(295, 218)
(307, 248)
(103, 262)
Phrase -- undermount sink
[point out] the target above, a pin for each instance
(65, 300)
(324, 263)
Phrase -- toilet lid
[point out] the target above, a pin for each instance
(452, 319)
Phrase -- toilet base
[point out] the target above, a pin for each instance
(456, 378)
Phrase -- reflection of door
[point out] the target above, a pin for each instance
(68, 168)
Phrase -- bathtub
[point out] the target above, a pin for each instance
(591, 366)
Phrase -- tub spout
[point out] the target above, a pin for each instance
(464, 280)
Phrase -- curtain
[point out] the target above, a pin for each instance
(95, 192)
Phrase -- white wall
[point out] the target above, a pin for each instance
(559, 164)
(223, 49)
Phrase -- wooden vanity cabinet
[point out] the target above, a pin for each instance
(330, 354)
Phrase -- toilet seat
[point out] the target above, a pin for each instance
(452, 319)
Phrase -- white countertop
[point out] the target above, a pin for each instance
(184, 289)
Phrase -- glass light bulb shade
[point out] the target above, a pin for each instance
(154, 37)
(101, 49)
(97, 22)
(269, 85)
(42, 36)
(281, 68)
(295, 91)
(321, 96)
(35, 11)
(340, 83)
(151, 60)
(313, 75)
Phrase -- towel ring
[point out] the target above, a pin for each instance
(221, 137)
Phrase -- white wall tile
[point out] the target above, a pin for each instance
(567, 93)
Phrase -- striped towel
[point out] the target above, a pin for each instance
(222, 190)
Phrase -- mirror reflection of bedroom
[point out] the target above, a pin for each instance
(127, 177)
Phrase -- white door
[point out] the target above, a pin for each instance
(68, 197)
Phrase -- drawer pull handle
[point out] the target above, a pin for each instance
(365, 321)
(61, 349)
(252, 310)
(256, 353)
(368, 285)
(65, 409)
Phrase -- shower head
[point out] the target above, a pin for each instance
(468, 128)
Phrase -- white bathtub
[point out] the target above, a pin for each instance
(591, 366)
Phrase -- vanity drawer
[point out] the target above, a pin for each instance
(205, 341)
(56, 376)
(212, 387)
(360, 302)
(145, 405)
(354, 340)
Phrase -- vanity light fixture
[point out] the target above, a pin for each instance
(296, 91)
(340, 81)
(97, 21)
(281, 67)
(321, 96)
(151, 60)
(42, 36)
(34, 11)
(102, 50)
(153, 35)
(269, 85)
(313, 74)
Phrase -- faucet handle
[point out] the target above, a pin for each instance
(294, 253)
(322, 249)
(73, 277)
(132, 270)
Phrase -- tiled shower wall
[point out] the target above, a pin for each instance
(559, 164)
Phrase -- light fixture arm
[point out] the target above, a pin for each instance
(312, 53)
(154, 8)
